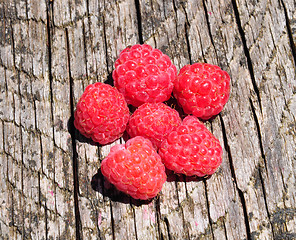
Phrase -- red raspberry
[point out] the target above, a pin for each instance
(191, 149)
(144, 74)
(135, 168)
(101, 113)
(202, 89)
(153, 121)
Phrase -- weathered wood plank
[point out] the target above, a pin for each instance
(290, 12)
(206, 42)
(120, 30)
(146, 224)
(243, 175)
(225, 205)
(120, 24)
(52, 187)
(63, 152)
(272, 58)
(222, 27)
(40, 213)
(6, 45)
(94, 210)
(4, 193)
(158, 27)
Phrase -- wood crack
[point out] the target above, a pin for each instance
(22, 161)
(73, 138)
(49, 28)
(154, 32)
(240, 192)
(246, 51)
(187, 27)
(46, 222)
(12, 45)
(209, 27)
(181, 208)
(259, 134)
(290, 36)
(87, 8)
(225, 231)
(166, 221)
(247, 224)
(49, 14)
(134, 216)
(176, 18)
(85, 53)
(112, 221)
(265, 200)
(158, 217)
(139, 21)
(208, 208)
(3, 144)
(105, 43)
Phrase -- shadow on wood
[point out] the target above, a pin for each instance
(78, 136)
(103, 186)
(173, 177)
(109, 80)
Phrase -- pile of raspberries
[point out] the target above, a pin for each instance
(145, 78)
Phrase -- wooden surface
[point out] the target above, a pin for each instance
(50, 186)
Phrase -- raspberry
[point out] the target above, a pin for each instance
(144, 74)
(191, 149)
(135, 168)
(153, 121)
(101, 113)
(202, 89)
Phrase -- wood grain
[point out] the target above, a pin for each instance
(51, 185)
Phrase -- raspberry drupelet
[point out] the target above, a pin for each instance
(153, 121)
(191, 149)
(144, 74)
(202, 89)
(101, 113)
(135, 168)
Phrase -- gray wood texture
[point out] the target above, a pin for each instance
(50, 184)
